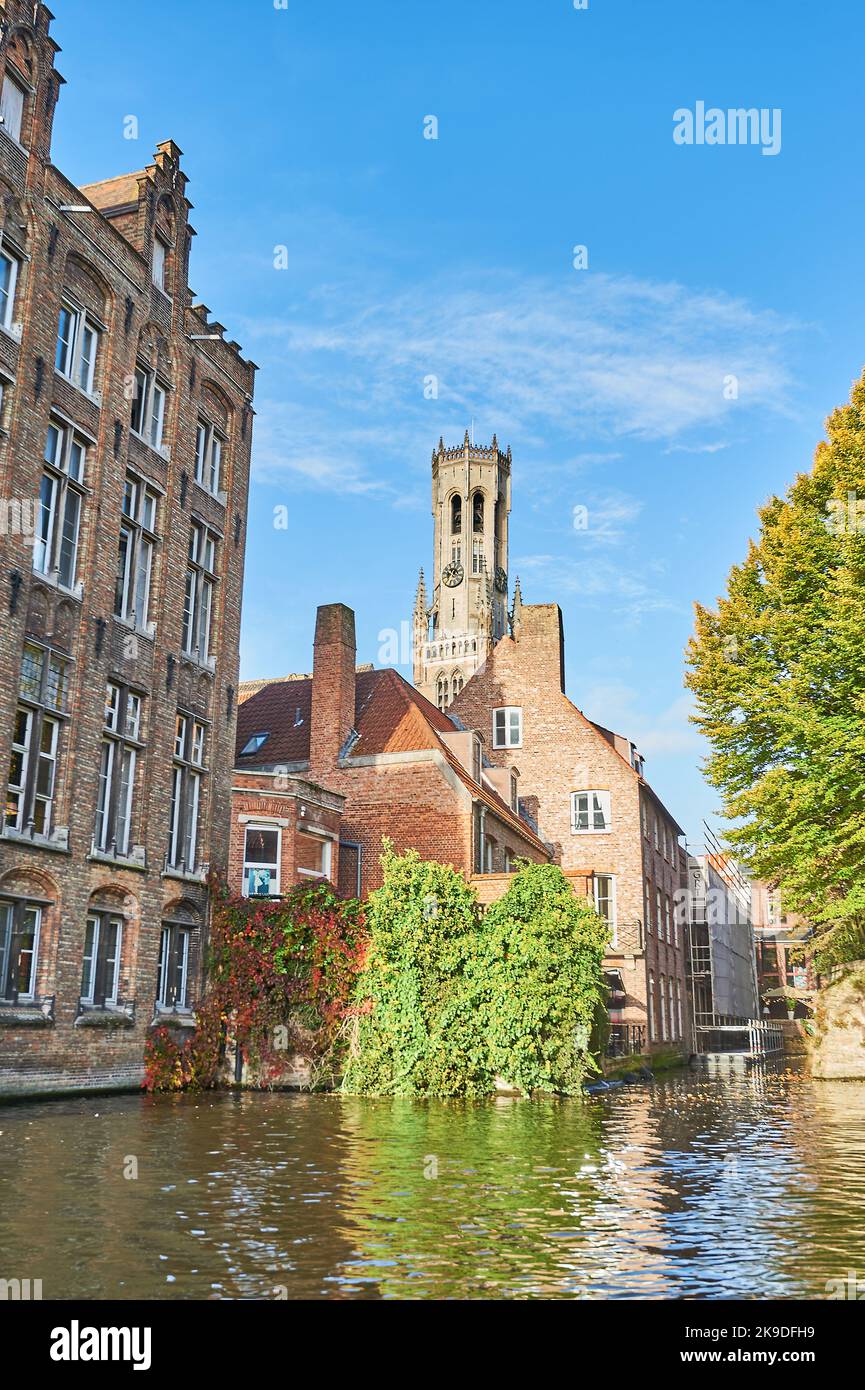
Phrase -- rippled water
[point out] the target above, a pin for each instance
(690, 1187)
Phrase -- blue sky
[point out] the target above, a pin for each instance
(303, 127)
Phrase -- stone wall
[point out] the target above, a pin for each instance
(837, 1045)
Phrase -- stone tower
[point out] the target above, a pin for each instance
(466, 609)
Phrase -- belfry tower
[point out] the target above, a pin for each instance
(466, 610)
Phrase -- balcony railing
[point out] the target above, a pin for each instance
(626, 1039)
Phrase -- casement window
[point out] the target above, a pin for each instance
(19, 948)
(121, 743)
(650, 1003)
(679, 1007)
(148, 408)
(172, 985)
(101, 973)
(667, 916)
(61, 499)
(604, 892)
(261, 858)
(590, 812)
(12, 103)
(477, 760)
(659, 912)
(209, 445)
(8, 283)
(313, 855)
(507, 727)
(672, 1008)
(160, 258)
(198, 596)
(647, 899)
(186, 783)
(35, 739)
(662, 999)
(77, 347)
(477, 554)
(135, 552)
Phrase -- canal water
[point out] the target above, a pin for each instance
(689, 1187)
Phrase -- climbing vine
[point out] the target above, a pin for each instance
(281, 978)
(454, 999)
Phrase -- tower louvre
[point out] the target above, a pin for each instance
(466, 610)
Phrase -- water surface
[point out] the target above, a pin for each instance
(690, 1187)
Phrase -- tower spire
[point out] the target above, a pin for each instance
(517, 610)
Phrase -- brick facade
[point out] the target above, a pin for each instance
(634, 864)
(403, 770)
(124, 458)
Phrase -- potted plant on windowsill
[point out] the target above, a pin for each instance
(791, 1007)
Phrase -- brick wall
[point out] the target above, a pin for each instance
(101, 260)
(562, 752)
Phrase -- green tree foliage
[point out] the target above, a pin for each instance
(778, 671)
(419, 1034)
(544, 951)
(453, 999)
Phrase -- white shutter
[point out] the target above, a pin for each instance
(12, 107)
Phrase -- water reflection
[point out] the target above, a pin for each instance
(689, 1188)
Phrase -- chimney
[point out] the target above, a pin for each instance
(541, 639)
(333, 684)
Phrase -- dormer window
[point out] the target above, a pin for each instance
(253, 744)
(12, 104)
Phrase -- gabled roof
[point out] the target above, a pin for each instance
(390, 717)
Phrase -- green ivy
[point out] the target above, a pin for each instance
(453, 998)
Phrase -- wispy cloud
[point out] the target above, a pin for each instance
(663, 733)
(358, 378)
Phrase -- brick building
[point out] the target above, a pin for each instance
(124, 458)
(329, 764)
(785, 961)
(583, 787)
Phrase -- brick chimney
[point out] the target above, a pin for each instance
(541, 639)
(333, 684)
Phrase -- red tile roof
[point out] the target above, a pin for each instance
(390, 716)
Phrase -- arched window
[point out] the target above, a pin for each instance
(457, 683)
(456, 515)
(442, 692)
(478, 512)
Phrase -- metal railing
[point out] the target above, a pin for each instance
(753, 1037)
(626, 1039)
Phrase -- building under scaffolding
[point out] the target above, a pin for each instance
(721, 964)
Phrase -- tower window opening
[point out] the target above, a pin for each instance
(456, 515)
(478, 512)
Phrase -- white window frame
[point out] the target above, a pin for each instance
(507, 722)
(598, 801)
(613, 919)
(75, 367)
(210, 445)
(181, 1004)
(160, 262)
(7, 304)
(13, 109)
(199, 593)
(672, 999)
(97, 920)
(662, 997)
(7, 929)
(149, 404)
(274, 886)
(326, 856)
(650, 1006)
(186, 786)
(134, 579)
(62, 484)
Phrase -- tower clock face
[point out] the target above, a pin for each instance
(452, 574)
(501, 580)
